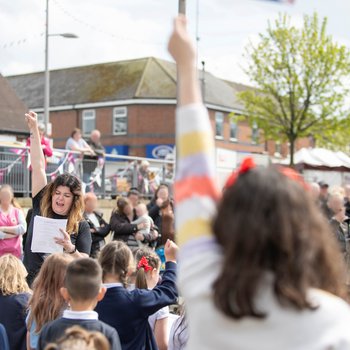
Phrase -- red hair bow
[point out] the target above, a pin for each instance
(143, 263)
(247, 164)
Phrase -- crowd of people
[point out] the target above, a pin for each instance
(263, 263)
(89, 158)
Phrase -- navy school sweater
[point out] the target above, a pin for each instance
(13, 312)
(54, 331)
(128, 311)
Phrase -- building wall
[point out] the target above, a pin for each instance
(155, 124)
(147, 124)
(244, 141)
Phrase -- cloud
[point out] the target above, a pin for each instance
(111, 30)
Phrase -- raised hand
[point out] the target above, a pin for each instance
(31, 120)
(170, 250)
(180, 44)
(182, 49)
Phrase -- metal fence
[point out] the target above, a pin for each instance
(107, 177)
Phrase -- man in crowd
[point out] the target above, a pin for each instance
(324, 198)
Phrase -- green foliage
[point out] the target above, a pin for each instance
(302, 78)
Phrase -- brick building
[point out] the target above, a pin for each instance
(133, 104)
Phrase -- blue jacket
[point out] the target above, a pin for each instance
(128, 311)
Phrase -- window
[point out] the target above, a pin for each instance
(89, 121)
(41, 118)
(120, 121)
(233, 130)
(278, 148)
(255, 133)
(219, 125)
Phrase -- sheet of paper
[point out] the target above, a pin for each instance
(44, 232)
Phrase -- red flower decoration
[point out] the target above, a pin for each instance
(247, 164)
(143, 263)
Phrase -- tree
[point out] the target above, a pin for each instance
(301, 78)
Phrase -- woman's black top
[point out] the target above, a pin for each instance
(33, 261)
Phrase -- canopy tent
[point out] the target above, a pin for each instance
(312, 158)
(319, 164)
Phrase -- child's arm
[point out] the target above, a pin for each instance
(161, 333)
(195, 189)
(196, 192)
(19, 229)
(28, 341)
(150, 301)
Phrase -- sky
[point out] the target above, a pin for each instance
(113, 30)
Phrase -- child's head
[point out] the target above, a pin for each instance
(77, 338)
(148, 266)
(46, 303)
(83, 282)
(116, 261)
(141, 209)
(12, 276)
(7, 196)
(268, 223)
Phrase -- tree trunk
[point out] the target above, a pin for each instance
(291, 151)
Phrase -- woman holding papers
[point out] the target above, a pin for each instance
(60, 199)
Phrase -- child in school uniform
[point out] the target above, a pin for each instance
(46, 303)
(147, 276)
(82, 290)
(14, 296)
(128, 311)
(259, 266)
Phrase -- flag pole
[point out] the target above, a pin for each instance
(182, 7)
(182, 10)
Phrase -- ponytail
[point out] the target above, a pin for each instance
(146, 260)
(141, 281)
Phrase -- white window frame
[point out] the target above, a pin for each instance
(220, 137)
(41, 118)
(85, 117)
(255, 138)
(120, 113)
(234, 139)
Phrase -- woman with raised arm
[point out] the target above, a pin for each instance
(60, 199)
(259, 268)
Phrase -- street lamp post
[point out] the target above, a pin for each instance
(47, 72)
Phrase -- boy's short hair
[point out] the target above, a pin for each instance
(83, 279)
